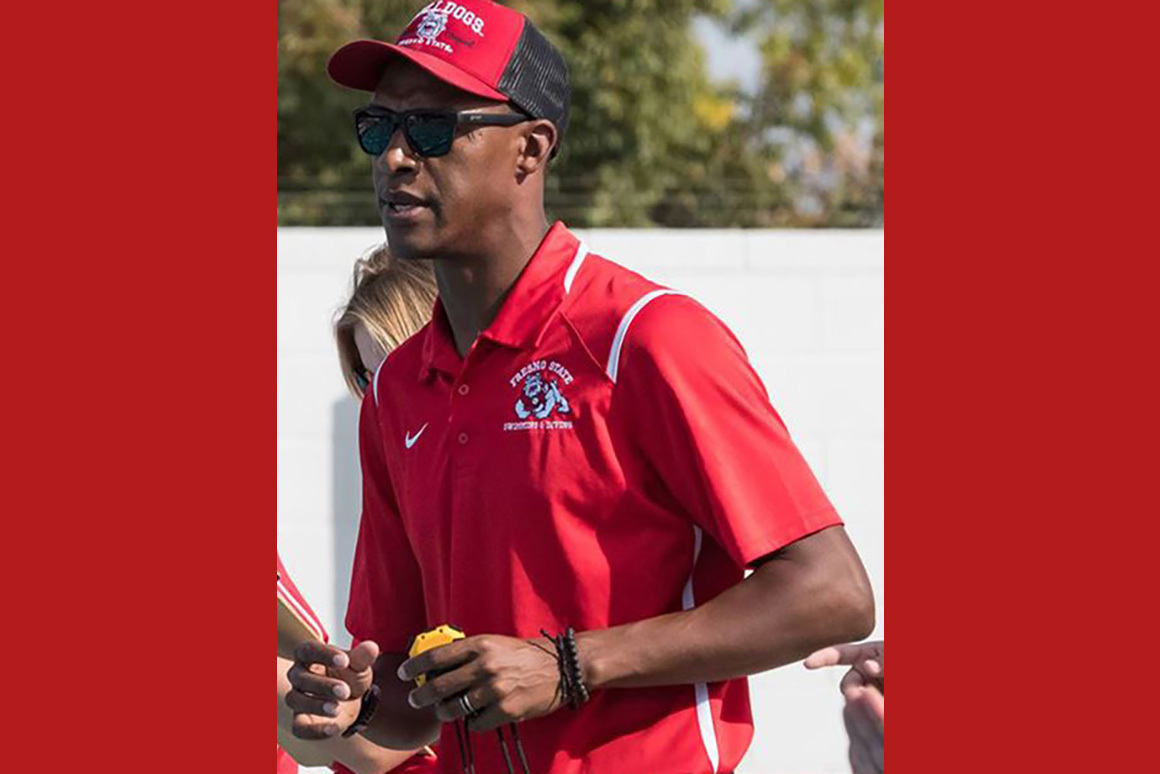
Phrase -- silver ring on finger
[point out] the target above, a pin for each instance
(465, 705)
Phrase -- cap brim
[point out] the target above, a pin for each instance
(360, 64)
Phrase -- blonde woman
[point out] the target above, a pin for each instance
(390, 300)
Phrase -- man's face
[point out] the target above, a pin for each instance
(434, 207)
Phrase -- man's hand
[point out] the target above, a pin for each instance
(505, 680)
(865, 715)
(327, 686)
(867, 662)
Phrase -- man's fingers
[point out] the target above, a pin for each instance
(852, 679)
(824, 658)
(490, 719)
(312, 705)
(314, 684)
(872, 674)
(313, 727)
(855, 718)
(864, 714)
(869, 707)
(363, 655)
(312, 652)
(437, 659)
(861, 761)
(848, 655)
(480, 700)
(445, 685)
(865, 729)
(876, 706)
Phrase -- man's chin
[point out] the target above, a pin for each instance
(406, 247)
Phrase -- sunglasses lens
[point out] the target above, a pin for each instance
(374, 133)
(431, 135)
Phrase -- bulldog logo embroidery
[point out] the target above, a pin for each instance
(541, 404)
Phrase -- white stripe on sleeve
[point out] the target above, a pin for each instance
(613, 366)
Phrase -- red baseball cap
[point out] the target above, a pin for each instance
(478, 46)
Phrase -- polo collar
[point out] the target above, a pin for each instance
(538, 293)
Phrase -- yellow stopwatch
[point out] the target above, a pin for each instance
(440, 635)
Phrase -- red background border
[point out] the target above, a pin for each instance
(139, 308)
(140, 313)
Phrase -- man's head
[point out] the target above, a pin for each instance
(469, 105)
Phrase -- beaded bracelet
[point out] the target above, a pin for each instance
(573, 691)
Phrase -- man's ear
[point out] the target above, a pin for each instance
(540, 137)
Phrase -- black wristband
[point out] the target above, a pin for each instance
(570, 657)
(370, 703)
(573, 691)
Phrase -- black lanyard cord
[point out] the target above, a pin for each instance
(520, 748)
(507, 756)
(466, 755)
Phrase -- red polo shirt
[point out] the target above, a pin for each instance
(604, 454)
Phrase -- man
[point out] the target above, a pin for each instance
(566, 444)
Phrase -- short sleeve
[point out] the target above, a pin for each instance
(386, 589)
(703, 419)
(290, 595)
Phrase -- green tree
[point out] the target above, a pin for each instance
(652, 141)
(819, 111)
(642, 106)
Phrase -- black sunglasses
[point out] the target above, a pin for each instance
(363, 379)
(428, 132)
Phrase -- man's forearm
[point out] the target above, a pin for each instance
(397, 725)
(811, 594)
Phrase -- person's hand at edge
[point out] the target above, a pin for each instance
(328, 684)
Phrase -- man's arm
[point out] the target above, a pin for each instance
(809, 594)
(702, 419)
(396, 723)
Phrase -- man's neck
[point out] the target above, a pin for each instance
(473, 287)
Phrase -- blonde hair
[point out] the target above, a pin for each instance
(391, 298)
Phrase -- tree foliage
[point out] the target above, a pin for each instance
(819, 109)
(652, 140)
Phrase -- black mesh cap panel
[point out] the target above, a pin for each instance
(536, 79)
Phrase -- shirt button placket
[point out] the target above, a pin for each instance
(462, 391)
(463, 468)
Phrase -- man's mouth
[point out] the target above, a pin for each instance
(401, 203)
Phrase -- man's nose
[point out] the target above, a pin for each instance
(397, 157)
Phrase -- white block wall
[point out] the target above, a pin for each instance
(807, 305)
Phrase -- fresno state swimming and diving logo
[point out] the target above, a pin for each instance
(432, 22)
(541, 404)
(543, 397)
(431, 26)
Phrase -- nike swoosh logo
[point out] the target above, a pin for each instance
(409, 439)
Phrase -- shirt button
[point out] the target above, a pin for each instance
(463, 438)
(464, 389)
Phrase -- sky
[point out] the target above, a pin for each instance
(729, 58)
